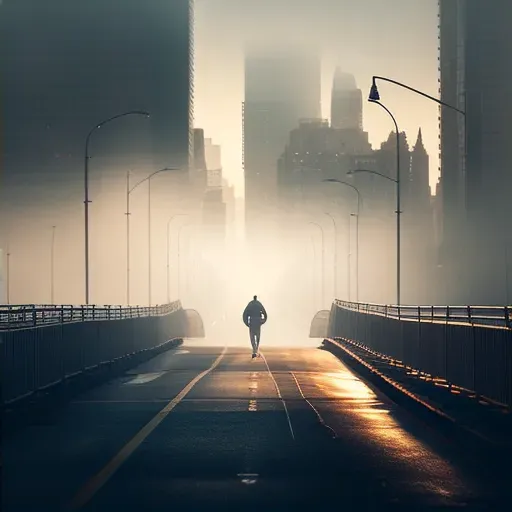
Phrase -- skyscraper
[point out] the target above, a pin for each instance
(419, 247)
(452, 142)
(280, 89)
(346, 102)
(67, 66)
(475, 48)
(419, 189)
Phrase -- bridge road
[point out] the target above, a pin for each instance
(207, 428)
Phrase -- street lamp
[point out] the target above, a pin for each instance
(128, 192)
(86, 190)
(169, 252)
(52, 261)
(397, 182)
(356, 216)
(359, 203)
(323, 259)
(8, 271)
(374, 97)
(335, 254)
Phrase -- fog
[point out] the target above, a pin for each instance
(309, 250)
(366, 38)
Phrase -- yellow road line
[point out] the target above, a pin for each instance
(86, 493)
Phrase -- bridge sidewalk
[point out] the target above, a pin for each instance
(482, 419)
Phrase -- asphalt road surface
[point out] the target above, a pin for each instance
(208, 428)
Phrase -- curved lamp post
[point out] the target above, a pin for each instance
(356, 215)
(374, 97)
(52, 266)
(86, 189)
(128, 192)
(397, 182)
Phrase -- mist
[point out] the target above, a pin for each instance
(309, 250)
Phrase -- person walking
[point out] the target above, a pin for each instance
(254, 317)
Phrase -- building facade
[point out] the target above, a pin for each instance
(346, 102)
(475, 44)
(280, 89)
(66, 67)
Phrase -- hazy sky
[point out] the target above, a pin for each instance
(393, 38)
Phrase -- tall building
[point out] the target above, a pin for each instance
(346, 102)
(280, 89)
(214, 206)
(418, 193)
(419, 251)
(199, 171)
(66, 67)
(452, 145)
(316, 151)
(475, 48)
(213, 155)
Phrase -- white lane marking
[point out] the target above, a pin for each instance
(320, 419)
(180, 352)
(86, 493)
(143, 378)
(248, 478)
(253, 389)
(280, 397)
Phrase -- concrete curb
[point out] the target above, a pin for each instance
(468, 439)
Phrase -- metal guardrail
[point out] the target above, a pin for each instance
(42, 346)
(469, 347)
(37, 315)
(483, 316)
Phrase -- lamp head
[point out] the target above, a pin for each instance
(374, 92)
(330, 180)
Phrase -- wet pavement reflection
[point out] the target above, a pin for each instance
(236, 433)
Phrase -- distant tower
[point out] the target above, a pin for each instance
(419, 184)
(346, 102)
(281, 87)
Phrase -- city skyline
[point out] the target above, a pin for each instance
(332, 26)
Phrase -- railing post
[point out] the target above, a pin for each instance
(470, 320)
(447, 314)
(508, 319)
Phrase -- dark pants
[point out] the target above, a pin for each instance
(254, 333)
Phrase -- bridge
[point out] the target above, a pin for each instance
(381, 408)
